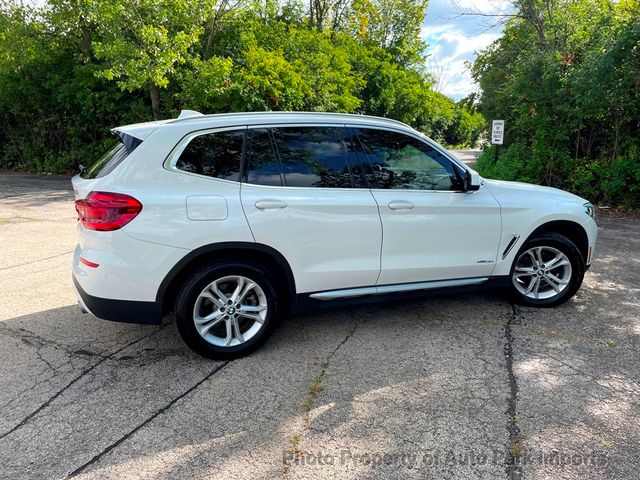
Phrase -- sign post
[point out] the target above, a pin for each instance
(497, 136)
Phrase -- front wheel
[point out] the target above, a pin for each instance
(227, 309)
(547, 271)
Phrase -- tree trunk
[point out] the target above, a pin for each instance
(155, 101)
(205, 55)
(86, 40)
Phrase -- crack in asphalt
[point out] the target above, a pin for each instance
(325, 365)
(148, 420)
(346, 338)
(314, 390)
(28, 337)
(84, 372)
(514, 448)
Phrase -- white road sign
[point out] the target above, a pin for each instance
(497, 132)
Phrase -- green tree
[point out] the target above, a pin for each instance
(566, 78)
(73, 69)
(143, 43)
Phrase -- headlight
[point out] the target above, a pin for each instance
(590, 210)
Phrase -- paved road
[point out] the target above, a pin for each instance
(464, 386)
(469, 157)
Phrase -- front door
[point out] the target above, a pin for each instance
(432, 230)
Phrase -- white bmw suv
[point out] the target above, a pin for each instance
(230, 220)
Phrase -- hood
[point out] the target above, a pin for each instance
(528, 191)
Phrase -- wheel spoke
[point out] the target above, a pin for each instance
(561, 263)
(524, 272)
(553, 261)
(554, 285)
(214, 288)
(534, 262)
(529, 270)
(539, 256)
(536, 288)
(555, 279)
(247, 288)
(521, 275)
(207, 318)
(238, 290)
(236, 330)
(252, 309)
(532, 284)
(253, 316)
(229, 338)
(208, 327)
(210, 296)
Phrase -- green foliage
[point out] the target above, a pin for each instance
(466, 127)
(73, 69)
(515, 163)
(565, 77)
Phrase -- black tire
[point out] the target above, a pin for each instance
(201, 278)
(568, 248)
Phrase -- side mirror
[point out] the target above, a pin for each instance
(472, 181)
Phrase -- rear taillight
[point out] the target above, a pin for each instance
(106, 211)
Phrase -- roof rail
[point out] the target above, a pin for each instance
(186, 115)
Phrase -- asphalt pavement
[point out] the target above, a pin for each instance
(459, 386)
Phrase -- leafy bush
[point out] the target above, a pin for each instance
(514, 163)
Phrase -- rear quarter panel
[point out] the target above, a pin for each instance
(163, 194)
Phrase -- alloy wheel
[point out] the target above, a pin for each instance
(230, 311)
(542, 273)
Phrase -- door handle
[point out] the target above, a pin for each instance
(401, 205)
(270, 204)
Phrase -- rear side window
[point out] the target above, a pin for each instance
(215, 155)
(114, 157)
(105, 164)
(312, 156)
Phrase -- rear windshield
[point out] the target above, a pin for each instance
(114, 157)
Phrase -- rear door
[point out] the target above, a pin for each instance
(300, 198)
(432, 230)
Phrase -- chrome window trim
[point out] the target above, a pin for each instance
(418, 136)
(174, 155)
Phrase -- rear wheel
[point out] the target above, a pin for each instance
(227, 309)
(547, 271)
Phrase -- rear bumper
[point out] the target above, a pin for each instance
(128, 311)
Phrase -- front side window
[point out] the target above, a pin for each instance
(215, 155)
(404, 162)
(312, 156)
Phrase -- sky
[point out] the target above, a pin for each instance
(453, 40)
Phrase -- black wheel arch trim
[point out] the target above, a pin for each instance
(570, 229)
(220, 247)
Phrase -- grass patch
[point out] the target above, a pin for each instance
(516, 446)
